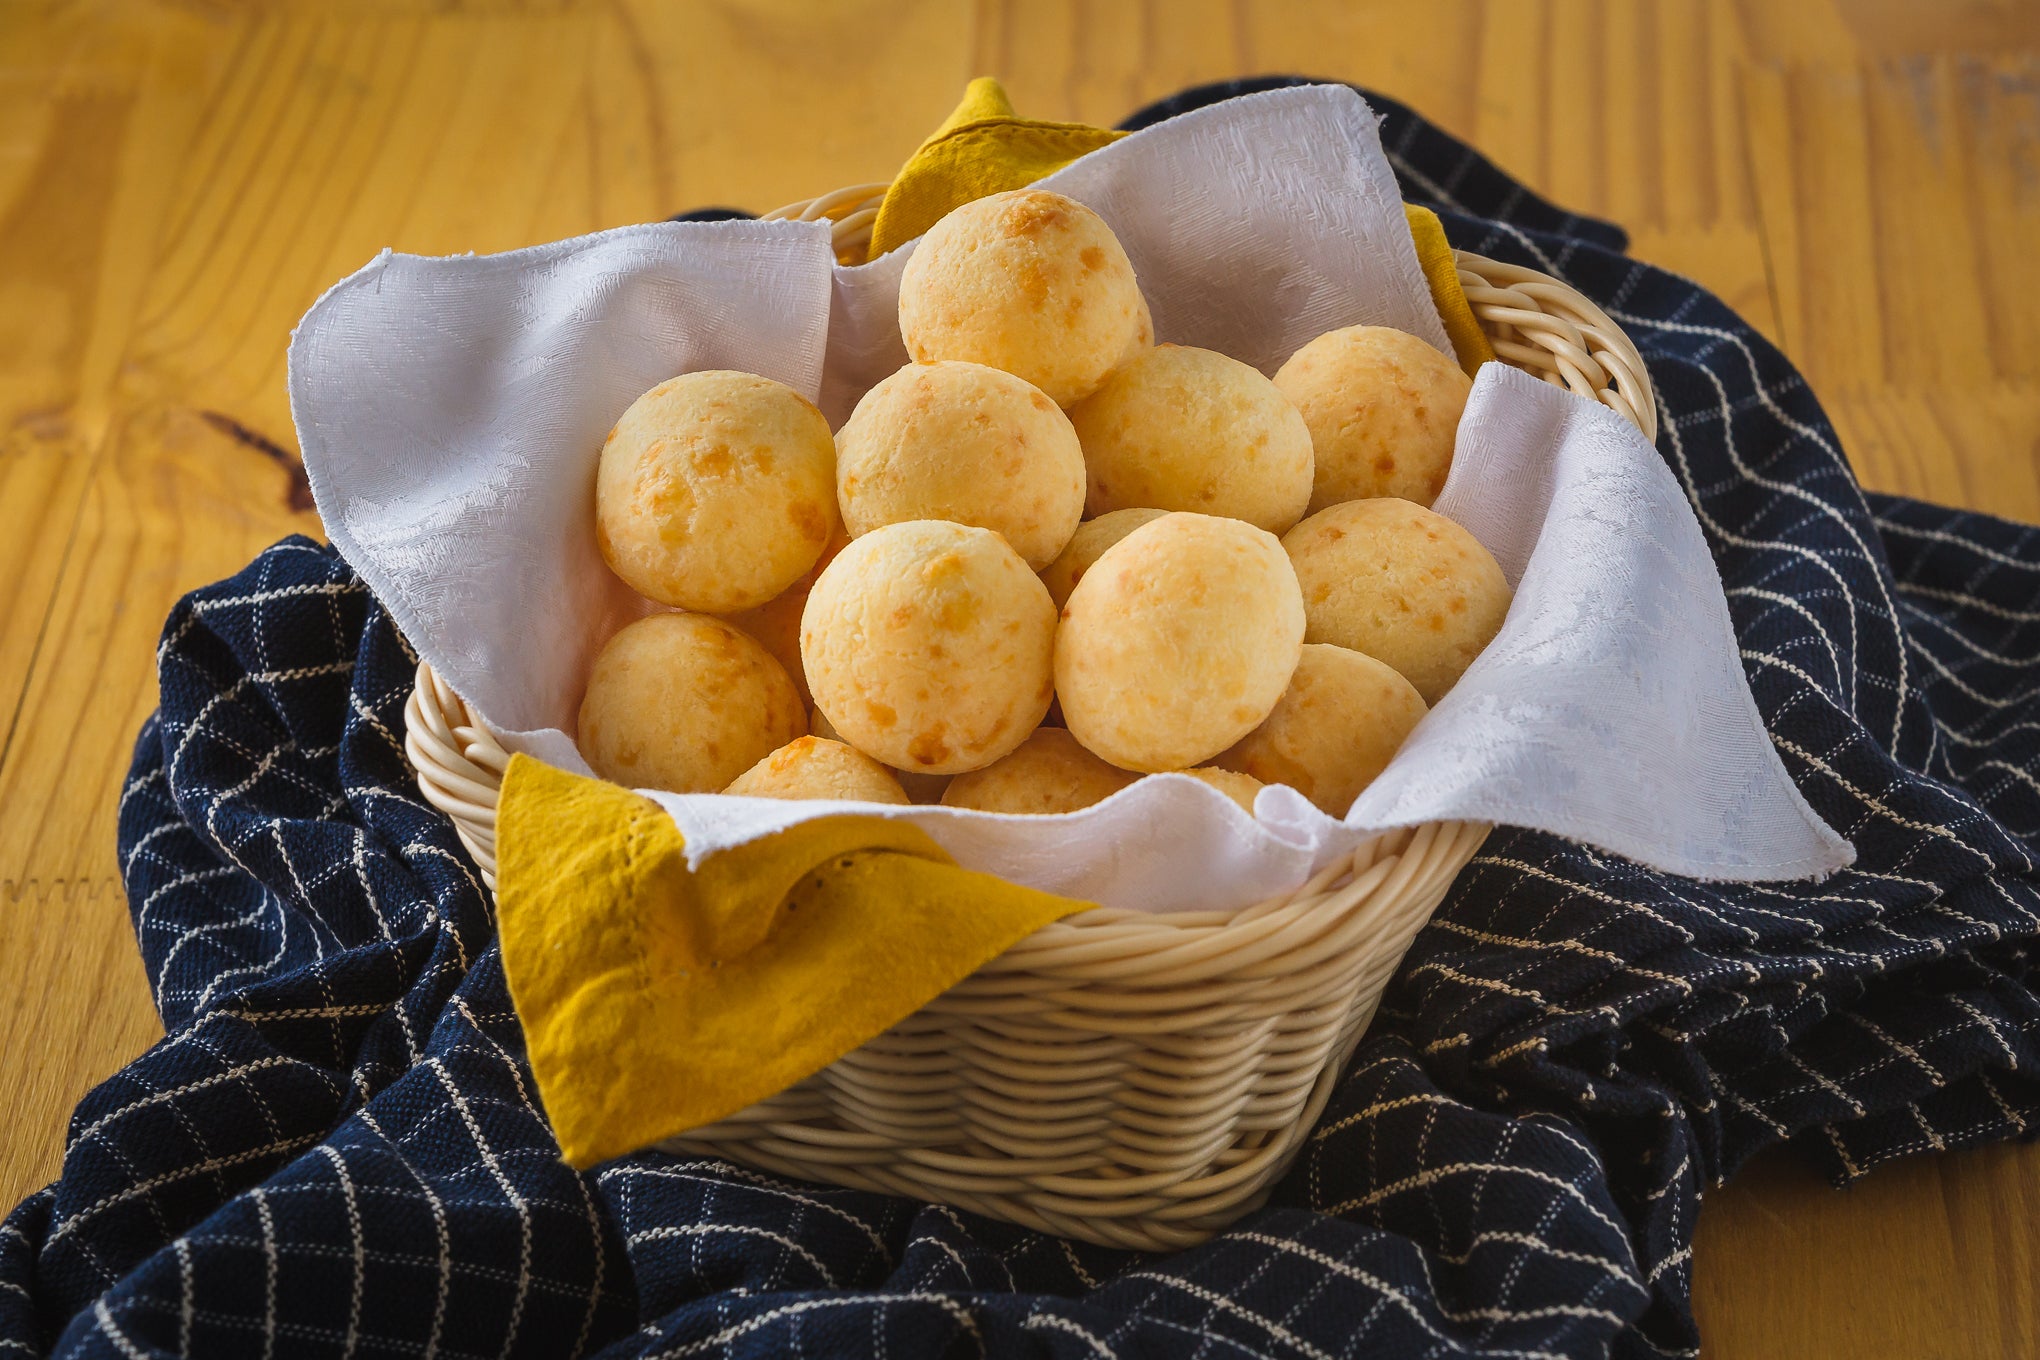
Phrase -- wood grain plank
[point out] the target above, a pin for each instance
(74, 1007)
(172, 503)
(767, 101)
(115, 113)
(1093, 63)
(1930, 1258)
(1971, 446)
(1872, 178)
(49, 279)
(1996, 128)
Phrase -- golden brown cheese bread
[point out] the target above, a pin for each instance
(1383, 409)
(1178, 641)
(1026, 281)
(1047, 773)
(684, 702)
(1241, 788)
(920, 788)
(929, 645)
(1190, 429)
(815, 767)
(1091, 539)
(1401, 583)
(1336, 727)
(776, 623)
(966, 443)
(716, 491)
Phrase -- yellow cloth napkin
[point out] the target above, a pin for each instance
(985, 147)
(656, 999)
(982, 148)
(1469, 342)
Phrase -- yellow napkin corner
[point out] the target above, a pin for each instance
(983, 148)
(1470, 343)
(656, 998)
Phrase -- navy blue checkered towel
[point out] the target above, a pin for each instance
(336, 1150)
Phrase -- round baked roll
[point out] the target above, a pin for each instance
(1241, 788)
(967, 443)
(1091, 539)
(1178, 641)
(1190, 429)
(715, 491)
(920, 788)
(1335, 728)
(1401, 583)
(1026, 281)
(1047, 773)
(929, 645)
(776, 623)
(1143, 338)
(1383, 409)
(814, 767)
(686, 703)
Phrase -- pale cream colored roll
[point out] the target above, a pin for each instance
(776, 623)
(966, 443)
(715, 491)
(1092, 538)
(815, 767)
(1190, 429)
(1383, 409)
(1401, 583)
(1047, 773)
(1143, 338)
(1241, 788)
(920, 788)
(930, 646)
(1026, 281)
(1336, 727)
(686, 703)
(1178, 641)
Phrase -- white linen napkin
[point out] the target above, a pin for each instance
(450, 412)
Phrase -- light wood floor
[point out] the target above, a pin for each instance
(178, 181)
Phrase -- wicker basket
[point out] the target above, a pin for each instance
(1133, 1079)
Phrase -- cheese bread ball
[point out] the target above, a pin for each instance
(1189, 429)
(813, 767)
(1142, 340)
(1335, 728)
(1401, 583)
(1178, 641)
(715, 491)
(1092, 538)
(1241, 788)
(1026, 281)
(686, 703)
(962, 442)
(776, 623)
(1383, 410)
(930, 646)
(920, 788)
(1047, 773)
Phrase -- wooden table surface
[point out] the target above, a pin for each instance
(178, 181)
